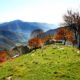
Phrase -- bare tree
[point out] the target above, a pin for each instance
(72, 21)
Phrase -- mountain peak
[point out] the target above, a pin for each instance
(16, 20)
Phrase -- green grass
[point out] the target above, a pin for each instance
(51, 63)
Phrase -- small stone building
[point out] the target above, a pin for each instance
(18, 50)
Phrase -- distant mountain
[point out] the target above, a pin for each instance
(18, 25)
(48, 33)
(51, 32)
(18, 31)
(8, 39)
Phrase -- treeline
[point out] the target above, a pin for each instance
(69, 31)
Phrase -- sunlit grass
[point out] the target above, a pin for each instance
(51, 63)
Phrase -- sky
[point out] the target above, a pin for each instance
(45, 11)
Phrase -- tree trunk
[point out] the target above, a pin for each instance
(75, 35)
(78, 41)
(65, 42)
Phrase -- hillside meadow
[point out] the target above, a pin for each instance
(53, 62)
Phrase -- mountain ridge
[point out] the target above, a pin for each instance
(21, 29)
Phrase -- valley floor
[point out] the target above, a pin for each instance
(54, 62)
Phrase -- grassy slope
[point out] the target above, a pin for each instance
(52, 63)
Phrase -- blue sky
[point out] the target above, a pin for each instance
(46, 11)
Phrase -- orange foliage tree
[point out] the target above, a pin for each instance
(35, 42)
(64, 34)
(46, 39)
(3, 56)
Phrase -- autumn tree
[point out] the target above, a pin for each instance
(3, 56)
(35, 43)
(35, 39)
(72, 21)
(64, 34)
